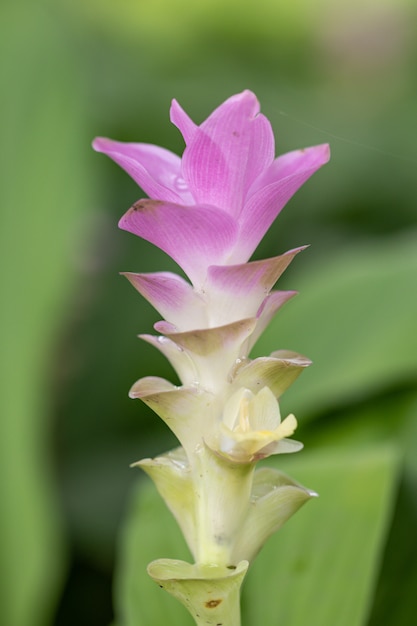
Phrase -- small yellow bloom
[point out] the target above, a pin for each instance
(252, 429)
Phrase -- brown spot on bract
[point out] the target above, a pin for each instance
(142, 205)
(211, 604)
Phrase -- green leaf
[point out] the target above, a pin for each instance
(355, 318)
(43, 190)
(395, 598)
(319, 569)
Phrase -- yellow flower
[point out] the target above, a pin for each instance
(252, 429)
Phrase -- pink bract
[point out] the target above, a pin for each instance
(213, 205)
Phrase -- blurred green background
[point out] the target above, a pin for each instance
(338, 72)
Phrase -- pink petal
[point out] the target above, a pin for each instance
(207, 341)
(270, 193)
(172, 296)
(166, 328)
(228, 152)
(184, 123)
(195, 237)
(237, 291)
(273, 301)
(214, 350)
(156, 170)
(292, 163)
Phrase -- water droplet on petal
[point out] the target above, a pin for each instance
(180, 184)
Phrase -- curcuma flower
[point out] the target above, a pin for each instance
(209, 210)
(251, 428)
(213, 206)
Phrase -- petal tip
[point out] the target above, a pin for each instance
(325, 151)
(246, 94)
(98, 143)
(140, 206)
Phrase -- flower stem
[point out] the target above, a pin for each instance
(223, 492)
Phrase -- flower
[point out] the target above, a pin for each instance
(252, 428)
(213, 205)
(209, 210)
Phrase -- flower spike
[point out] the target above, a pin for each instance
(208, 210)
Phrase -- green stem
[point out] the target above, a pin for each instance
(222, 491)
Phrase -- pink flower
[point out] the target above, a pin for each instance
(213, 205)
(209, 210)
